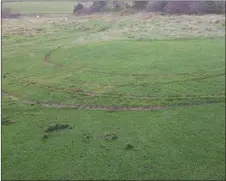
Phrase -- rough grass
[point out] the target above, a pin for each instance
(112, 26)
(180, 143)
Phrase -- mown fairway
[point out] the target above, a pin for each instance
(162, 99)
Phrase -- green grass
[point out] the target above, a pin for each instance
(174, 144)
(41, 7)
(177, 143)
(160, 78)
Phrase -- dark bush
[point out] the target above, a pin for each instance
(56, 127)
(45, 136)
(175, 7)
(187, 7)
(169, 7)
(129, 146)
(97, 6)
(207, 7)
(140, 5)
(7, 13)
(78, 8)
(6, 121)
(156, 6)
(116, 6)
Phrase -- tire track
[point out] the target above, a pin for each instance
(77, 91)
(47, 59)
(101, 107)
(52, 104)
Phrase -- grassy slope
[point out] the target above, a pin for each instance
(184, 143)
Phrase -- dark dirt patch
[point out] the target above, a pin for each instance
(111, 136)
(7, 121)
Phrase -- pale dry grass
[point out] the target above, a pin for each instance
(136, 26)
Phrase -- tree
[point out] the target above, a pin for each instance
(141, 5)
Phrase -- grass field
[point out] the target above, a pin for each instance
(144, 100)
(41, 7)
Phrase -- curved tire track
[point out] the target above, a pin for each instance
(77, 91)
(47, 59)
(101, 107)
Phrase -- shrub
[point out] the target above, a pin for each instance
(78, 8)
(187, 7)
(140, 5)
(117, 6)
(177, 7)
(129, 146)
(156, 6)
(45, 136)
(6, 121)
(56, 127)
(98, 6)
(7, 13)
(201, 7)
